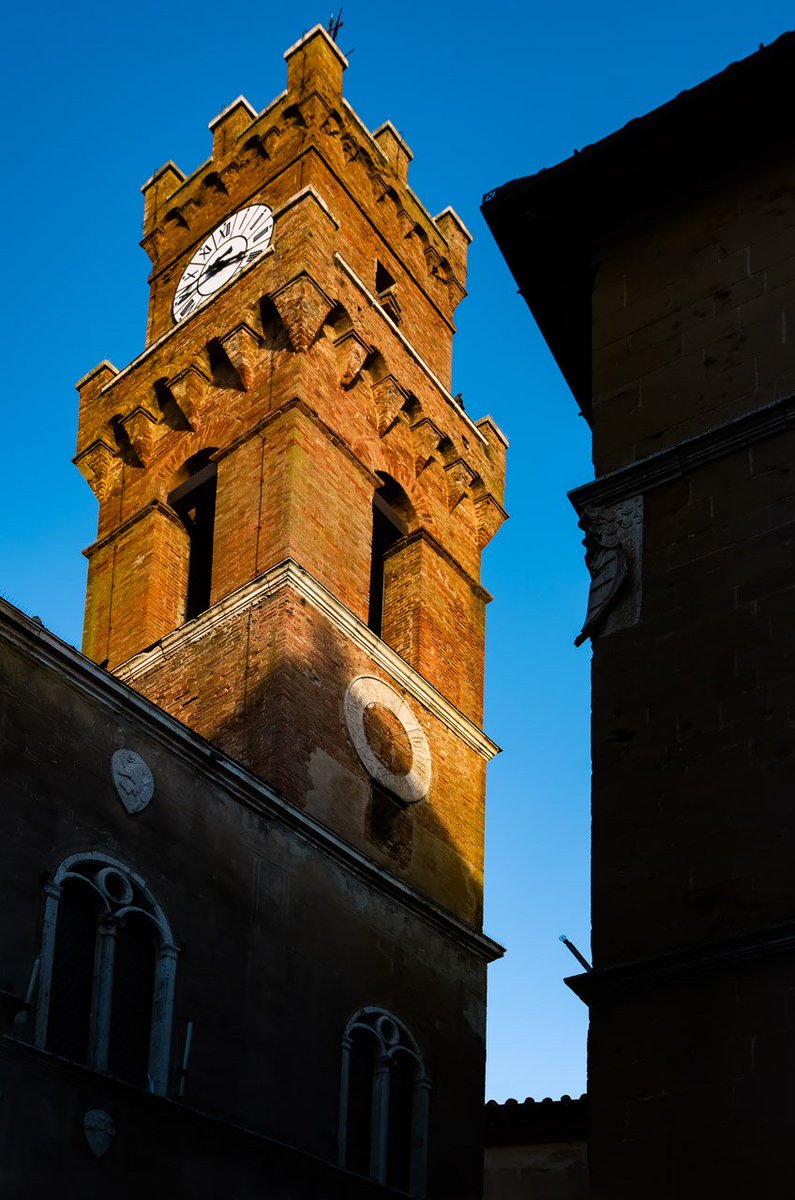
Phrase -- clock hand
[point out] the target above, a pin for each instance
(220, 263)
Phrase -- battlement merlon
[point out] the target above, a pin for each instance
(227, 127)
(315, 63)
(315, 67)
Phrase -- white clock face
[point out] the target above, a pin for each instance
(232, 246)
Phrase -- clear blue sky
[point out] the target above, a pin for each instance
(97, 96)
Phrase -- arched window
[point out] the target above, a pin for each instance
(194, 503)
(106, 984)
(391, 519)
(383, 1102)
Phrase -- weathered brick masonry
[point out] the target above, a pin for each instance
(310, 385)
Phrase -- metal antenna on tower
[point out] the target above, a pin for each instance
(335, 24)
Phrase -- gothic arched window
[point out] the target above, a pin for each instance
(392, 518)
(383, 1102)
(106, 982)
(194, 503)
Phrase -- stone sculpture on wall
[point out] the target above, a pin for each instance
(613, 544)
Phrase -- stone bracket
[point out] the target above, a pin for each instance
(490, 515)
(143, 431)
(460, 478)
(188, 389)
(303, 307)
(389, 398)
(353, 353)
(98, 464)
(241, 347)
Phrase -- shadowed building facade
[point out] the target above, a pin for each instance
(243, 946)
(660, 266)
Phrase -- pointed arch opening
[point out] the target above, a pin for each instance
(393, 518)
(194, 503)
(383, 1102)
(107, 966)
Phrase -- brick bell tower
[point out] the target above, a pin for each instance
(292, 504)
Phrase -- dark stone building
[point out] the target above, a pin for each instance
(536, 1150)
(660, 266)
(242, 887)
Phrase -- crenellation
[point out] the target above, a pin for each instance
(230, 125)
(157, 192)
(315, 62)
(395, 148)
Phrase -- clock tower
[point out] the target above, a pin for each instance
(293, 504)
(292, 510)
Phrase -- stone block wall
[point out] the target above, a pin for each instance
(693, 318)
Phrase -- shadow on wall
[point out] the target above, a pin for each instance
(284, 718)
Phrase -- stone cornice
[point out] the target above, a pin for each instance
(243, 787)
(667, 465)
(288, 573)
(602, 983)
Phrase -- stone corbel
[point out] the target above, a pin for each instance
(257, 145)
(143, 431)
(379, 185)
(352, 354)
(229, 172)
(490, 515)
(613, 554)
(460, 478)
(433, 259)
(456, 291)
(264, 143)
(152, 244)
(332, 126)
(427, 437)
(314, 110)
(99, 464)
(303, 307)
(188, 389)
(389, 398)
(242, 347)
(350, 147)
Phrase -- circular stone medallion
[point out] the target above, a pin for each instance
(397, 758)
(133, 780)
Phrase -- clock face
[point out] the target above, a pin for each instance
(232, 246)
